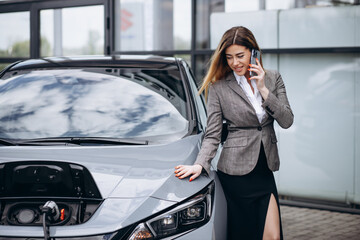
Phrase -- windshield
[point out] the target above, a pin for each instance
(117, 103)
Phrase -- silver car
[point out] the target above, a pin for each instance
(88, 147)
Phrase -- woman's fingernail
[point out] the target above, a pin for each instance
(190, 180)
(248, 69)
(257, 59)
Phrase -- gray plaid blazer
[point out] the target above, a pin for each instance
(227, 100)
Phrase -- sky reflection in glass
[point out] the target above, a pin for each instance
(77, 103)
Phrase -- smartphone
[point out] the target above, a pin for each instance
(254, 54)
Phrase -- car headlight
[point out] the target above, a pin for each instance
(189, 215)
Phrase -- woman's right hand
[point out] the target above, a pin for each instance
(183, 171)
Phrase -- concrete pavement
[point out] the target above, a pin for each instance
(312, 224)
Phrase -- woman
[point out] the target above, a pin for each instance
(250, 155)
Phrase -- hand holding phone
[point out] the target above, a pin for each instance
(260, 80)
(255, 54)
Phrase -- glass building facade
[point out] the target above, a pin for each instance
(315, 44)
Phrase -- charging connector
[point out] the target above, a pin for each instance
(51, 214)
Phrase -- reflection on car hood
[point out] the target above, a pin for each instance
(135, 181)
(121, 171)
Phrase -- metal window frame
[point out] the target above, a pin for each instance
(34, 7)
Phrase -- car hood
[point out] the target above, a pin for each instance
(134, 181)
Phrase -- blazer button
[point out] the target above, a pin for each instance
(259, 128)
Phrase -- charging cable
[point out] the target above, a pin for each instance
(51, 213)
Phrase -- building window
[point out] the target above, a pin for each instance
(15, 34)
(72, 31)
(152, 25)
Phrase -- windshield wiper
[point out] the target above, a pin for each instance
(7, 142)
(82, 140)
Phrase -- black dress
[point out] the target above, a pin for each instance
(248, 198)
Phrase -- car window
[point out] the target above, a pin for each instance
(96, 102)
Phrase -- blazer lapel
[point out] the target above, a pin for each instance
(233, 84)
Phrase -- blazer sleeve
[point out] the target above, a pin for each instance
(277, 104)
(212, 137)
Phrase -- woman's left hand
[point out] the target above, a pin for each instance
(183, 171)
(260, 79)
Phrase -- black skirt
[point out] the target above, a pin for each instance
(248, 198)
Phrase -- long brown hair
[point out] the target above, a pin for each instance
(219, 67)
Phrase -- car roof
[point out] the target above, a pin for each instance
(129, 61)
